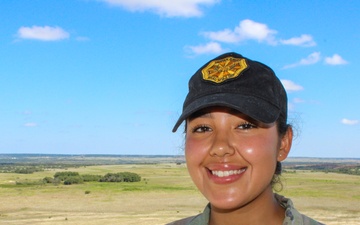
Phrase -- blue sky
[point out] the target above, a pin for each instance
(110, 76)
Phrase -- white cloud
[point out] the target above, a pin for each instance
(310, 59)
(45, 33)
(349, 122)
(251, 30)
(290, 86)
(247, 30)
(227, 36)
(304, 40)
(260, 32)
(167, 8)
(335, 60)
(30, 124)
(298, 100)
(212, 47)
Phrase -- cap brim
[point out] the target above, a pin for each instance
(254, 107)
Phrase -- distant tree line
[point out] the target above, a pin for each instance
(330, 168)
(24, 168)
(29, 169)
(354, 170)
(69, 178)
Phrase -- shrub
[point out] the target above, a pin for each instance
(73, 180)
(121, 177)
(27, 170)
(111, 177)
(48, 180)
(90, 177)
(131, 177)
(62, 176)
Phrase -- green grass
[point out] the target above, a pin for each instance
(162, 195)
(153, 178)
(320, 184)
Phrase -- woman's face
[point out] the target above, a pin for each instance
(230, 157)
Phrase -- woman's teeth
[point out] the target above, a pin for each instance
(226, 173)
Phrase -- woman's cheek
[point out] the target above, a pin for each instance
(256, 149)
(195, 149)
(194, 155)
(249, 151)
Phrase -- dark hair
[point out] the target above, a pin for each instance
(283, 127)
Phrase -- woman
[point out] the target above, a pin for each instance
(236, 137)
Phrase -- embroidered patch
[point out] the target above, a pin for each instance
(221, 70)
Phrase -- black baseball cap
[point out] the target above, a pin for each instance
(234, 81)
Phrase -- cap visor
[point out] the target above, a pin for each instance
(254, 107)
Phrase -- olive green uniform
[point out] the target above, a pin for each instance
(292, 216)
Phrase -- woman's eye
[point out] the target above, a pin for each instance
(201, 129)
(246, 126)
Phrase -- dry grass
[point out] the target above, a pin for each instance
(166, 194)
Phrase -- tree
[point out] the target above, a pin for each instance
(121, 177)
(73, 180)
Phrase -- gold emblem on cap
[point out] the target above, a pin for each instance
(221, 70)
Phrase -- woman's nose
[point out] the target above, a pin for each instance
(222, 145)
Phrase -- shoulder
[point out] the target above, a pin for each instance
(184, 221)
(309, 221)
(292, 216)
(200, 219)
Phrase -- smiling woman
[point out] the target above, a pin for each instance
(236, 137)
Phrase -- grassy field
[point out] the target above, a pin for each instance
(165, 193)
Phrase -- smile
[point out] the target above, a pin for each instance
(226, 173)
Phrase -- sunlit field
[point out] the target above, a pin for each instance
(164, 194)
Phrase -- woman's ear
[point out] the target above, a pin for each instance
(285, 145)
